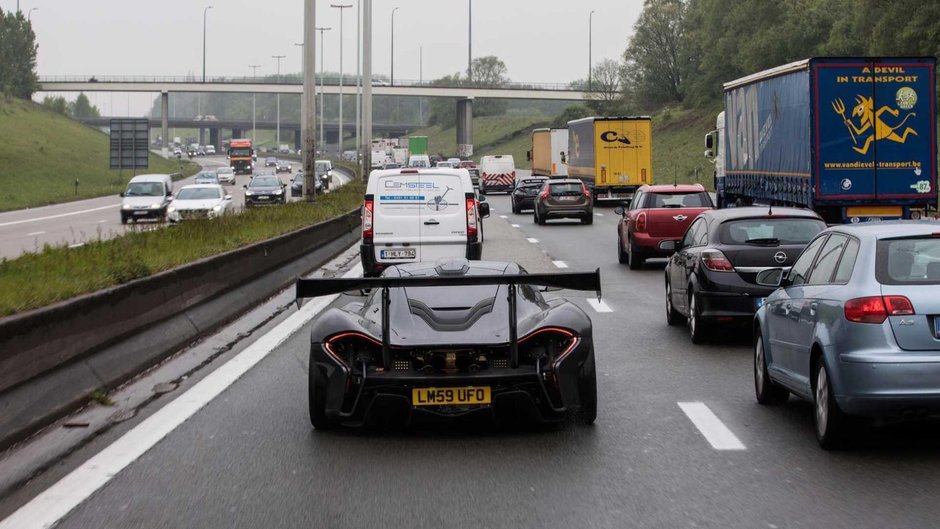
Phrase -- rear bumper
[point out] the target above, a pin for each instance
(371, 267)
(887, 384)
(649, 244)
(567, 213)
(143, 213)
(734, 305)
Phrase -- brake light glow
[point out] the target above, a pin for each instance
(585, 191)
(409, 171)
(471, 218)
(640, 222)
(876, 309)
(332, 345)
(367, 230)
(572, 342)
(716, 261)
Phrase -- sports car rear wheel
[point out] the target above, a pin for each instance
(587, 390)
(317, 394)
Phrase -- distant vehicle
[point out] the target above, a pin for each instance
(445, 165)
(455, 162)
(549, 152)
(563, 198)
(201, 201)
(657, 214)
(711, 279)
(391, 165)
(400, 155)
(419, 161)
(297, 185)
(613, 156)
(270, 161)
(283, 166)
(284, 149)
(206, 177)
(201, 151)
(323, 169)
(418, 372)
(852, 327)
(523, 196)
(146, 197)
(264, 189)
(177, 152)
(349, 156)
(210, 150)
(433, 213)
(471, 168)
(820, 134)
(241, 156)
(379, 158)
(225, 175)
(497, 173)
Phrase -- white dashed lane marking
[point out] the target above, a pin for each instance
(35, 233)
(598, 214)
(599, 306)
(715, 431)
(503, 217)
(515, 225)
(532, 240)
(560, 264)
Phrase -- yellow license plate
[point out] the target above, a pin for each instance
(449, 396)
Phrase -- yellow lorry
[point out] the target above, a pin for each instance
(549, 152)
(613, 156)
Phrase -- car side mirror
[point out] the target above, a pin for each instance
(484, 209)
(122, 194)
(709, 153)
(228, 197)
(245, 186)
(772, 277)
(619, 210)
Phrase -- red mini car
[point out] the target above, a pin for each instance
(657, 214)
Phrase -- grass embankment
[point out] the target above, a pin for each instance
(42, 153)
(488, 132)
(59, 273)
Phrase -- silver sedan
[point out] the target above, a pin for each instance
(854, 327)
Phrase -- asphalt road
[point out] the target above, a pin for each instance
(72, 223)
(250, 459)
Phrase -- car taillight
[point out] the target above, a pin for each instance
(716, 261)
(471, 218)
(544, 194)
(640, 222)
(367, 230)
(551, 344)
(353, 348)
(584, 190)
(876, 309)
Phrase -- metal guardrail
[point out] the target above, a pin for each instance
(295, 80)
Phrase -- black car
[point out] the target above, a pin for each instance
(270, 161)
(282, 167)
(471, 337)
(297, 185)
(712, 276)
(523, 195)
(563, 198)
(264, 188)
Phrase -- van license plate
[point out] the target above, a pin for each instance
(398, 254)
(450, 396)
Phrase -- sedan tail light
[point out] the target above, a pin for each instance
(876, 309)
(716, 261)
(367, 230)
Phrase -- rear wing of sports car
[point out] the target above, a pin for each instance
(588, 281)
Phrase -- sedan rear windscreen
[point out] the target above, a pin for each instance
(908, 262)
(780, 231)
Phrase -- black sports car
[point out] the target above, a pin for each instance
(450, 339)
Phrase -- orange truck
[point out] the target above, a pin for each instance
(239, 156)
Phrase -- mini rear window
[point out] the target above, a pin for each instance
(908, 262)
(572, 188)
(784, 230)
(678, 200)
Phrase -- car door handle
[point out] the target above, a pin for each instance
(431, 223)
(812, 309)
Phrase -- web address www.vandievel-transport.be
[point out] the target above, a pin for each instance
(871, 165)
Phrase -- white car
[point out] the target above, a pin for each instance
(210, 150)
(324, 170)
(226, 175)
(202, 201)
(454, 161)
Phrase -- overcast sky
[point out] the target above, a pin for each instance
(539, 40)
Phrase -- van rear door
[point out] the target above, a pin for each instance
(399, 199)
(443, 216)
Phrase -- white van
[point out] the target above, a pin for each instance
(419, 161)
(497, 173)
(411, 215)
(146, 197)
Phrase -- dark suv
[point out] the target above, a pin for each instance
(566, 198)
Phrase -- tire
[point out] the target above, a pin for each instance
(123, 219)
(634, 259)
(587, 392)
(766, 390)
(482, 188)
(697, 333)
(535, 215)
(831, 424)
(672, 315)
(514, 208)
(539, 218)
(621, 255)
(316, 392)
(588, 219)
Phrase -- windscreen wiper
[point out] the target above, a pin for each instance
(764, 241)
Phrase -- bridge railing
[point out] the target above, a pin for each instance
(296, 80)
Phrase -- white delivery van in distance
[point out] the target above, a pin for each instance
(497, 173)
(412, 215)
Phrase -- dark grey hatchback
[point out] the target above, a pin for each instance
(566, 198)
(712, 276)
(264, 189)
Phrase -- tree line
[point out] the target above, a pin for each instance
(17, 55)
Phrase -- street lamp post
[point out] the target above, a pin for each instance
(254, 76)
(393, 48)
(29, 15)
(341, 8)
(204, 13)
(590, 39)
(358, 86)
(303, 104)
(322, 89)
(277, 135)
(470, 39)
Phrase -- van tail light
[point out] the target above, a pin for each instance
(584, 190)
(367, 230)
(876, 309)
(514, 175)
(471, 218)
(640, 222)
(716, 261)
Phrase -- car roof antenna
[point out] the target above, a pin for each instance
(770, 210)
(675, 177)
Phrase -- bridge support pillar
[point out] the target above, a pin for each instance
(202, 136)
(238, 134)
(464, 127)
(214, 138)
(297, 140)
(332, 139)
(165, 119)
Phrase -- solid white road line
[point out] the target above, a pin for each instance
(515, 225)
(35, 233)
(503, 217)
(598, 214)
(560, 264)
(102, 221)
(533, 240)
(24, 221)
(715, 431)
(57, 501)
(599, 306)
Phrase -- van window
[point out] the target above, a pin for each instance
(145, 189)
